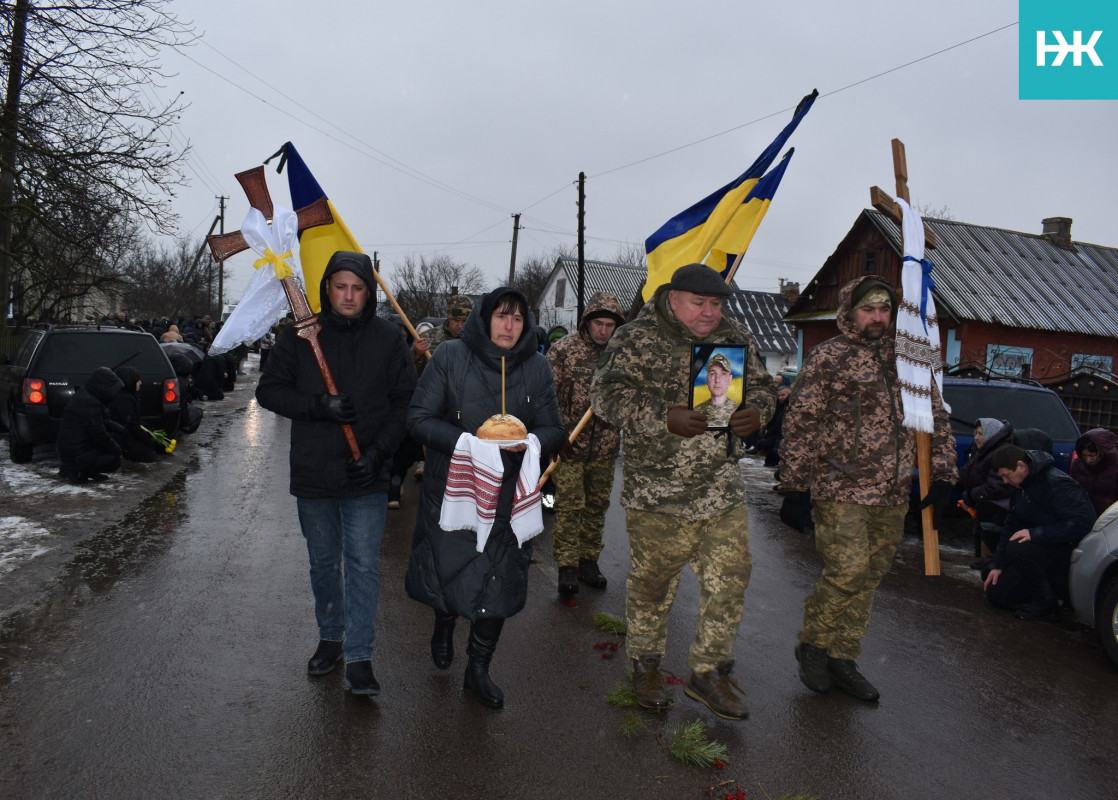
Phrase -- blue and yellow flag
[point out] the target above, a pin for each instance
(719, 227)
(316, 244)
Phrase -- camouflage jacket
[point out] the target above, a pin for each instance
(573, 361)
(644, 370)
(843, 437)
(434, 338)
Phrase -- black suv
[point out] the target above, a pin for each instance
(1023, 405)
(53, 361)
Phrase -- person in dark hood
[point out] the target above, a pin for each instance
(1049, 513)
(124, 411)
(342, 501)
(455, 570)
(1096, 468)
(85, 448)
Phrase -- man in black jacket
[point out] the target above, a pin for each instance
(1049, 513)
(343, 502)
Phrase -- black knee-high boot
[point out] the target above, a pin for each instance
(484, 634)
(442, 640)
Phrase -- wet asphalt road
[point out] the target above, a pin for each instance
(171, 664)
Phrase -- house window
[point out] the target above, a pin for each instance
(1013, 362)
(871, 263)
(560, 292)
(1103, 365)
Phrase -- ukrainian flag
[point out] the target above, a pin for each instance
(719, 227)
(316, 244)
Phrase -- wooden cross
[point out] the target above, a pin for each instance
(888, 206)
(224, 245)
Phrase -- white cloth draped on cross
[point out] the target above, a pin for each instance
(265, 302)
(919, 359)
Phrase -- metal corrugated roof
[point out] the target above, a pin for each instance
(623, 280)
(763, 314)
(1019, 280)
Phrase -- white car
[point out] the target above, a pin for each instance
(1093, 580)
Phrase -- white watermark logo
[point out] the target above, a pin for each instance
(1062, 49)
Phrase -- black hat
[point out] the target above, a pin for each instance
(700, 279)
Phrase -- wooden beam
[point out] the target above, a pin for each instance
(880, 200)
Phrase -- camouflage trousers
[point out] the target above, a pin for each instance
(857, 544)
(717, 550)
(582, 490)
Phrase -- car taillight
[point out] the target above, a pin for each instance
(34, 391)
(171, 390)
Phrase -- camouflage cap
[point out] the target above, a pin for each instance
(721, 361)
(459, 306)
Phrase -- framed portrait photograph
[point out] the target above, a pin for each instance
(717, 381)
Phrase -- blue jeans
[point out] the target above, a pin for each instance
(345, 531)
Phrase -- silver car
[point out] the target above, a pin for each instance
(1093, 580)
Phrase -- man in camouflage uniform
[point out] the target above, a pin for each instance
(458, 308)
(843, 441)
(683, 493)
(584, 477)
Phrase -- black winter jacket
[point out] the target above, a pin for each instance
(1050, 504)
(369, 361)
(82, 432)
(457, 392)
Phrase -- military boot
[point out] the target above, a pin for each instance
(589, 573)
(813, 667)
(846, 676)
(648, 682)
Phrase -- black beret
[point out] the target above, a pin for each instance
(700, 279)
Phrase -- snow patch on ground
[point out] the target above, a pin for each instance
(20, 541)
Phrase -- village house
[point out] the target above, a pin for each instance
(1010, 305)
(1013, 304)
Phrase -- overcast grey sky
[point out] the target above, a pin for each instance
(429, 124)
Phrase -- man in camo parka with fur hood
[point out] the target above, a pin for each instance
(844, 442)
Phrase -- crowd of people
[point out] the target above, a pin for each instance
(837, 434)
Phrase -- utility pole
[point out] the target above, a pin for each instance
(515, 233)
(221, 264)
(581, 245)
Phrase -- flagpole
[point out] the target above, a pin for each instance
(574, 434)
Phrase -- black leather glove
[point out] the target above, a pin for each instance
(334, 408)
(565, 449)
(745, 421)
(365, 470)
(939, 496)
(683, 421)
(795, 511)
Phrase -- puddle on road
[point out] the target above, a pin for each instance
(103, 559)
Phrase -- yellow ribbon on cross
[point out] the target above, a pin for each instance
(282, 268)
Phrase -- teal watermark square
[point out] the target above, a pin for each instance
(1067, 50)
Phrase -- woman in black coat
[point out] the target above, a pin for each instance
(983, 489)
(457, 392)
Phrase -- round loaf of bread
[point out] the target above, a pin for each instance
(503, 427)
